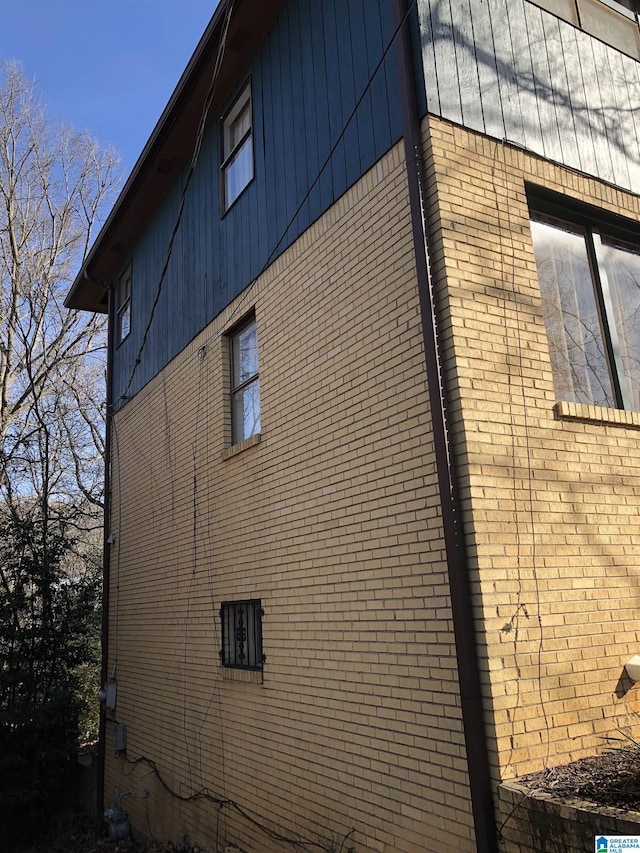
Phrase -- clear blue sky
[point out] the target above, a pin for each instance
(106, 66)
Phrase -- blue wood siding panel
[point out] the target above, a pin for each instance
(311, 71)
(361, 73)
(512, 70)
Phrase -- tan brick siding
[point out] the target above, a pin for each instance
(333, 521)
(552, 495)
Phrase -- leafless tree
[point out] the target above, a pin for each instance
(55, 183)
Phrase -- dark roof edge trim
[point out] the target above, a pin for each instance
(169, 115)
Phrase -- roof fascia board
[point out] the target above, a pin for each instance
(170, 145)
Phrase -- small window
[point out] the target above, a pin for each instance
(590, 286)
(245, 382)
(562, 8)
(612, 23)
(237, 148)
(630, 5)
(242, 634)
(123, 306)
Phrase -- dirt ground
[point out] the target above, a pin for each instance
(81, 836)
(611, 779)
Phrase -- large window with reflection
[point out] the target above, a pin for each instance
(590, 285)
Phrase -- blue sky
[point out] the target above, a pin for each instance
(106, 66)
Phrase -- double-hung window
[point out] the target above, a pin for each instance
(237, 148)
(245, 381)
(123, 306)
(590, 284)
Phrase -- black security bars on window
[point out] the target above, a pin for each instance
(242, 634)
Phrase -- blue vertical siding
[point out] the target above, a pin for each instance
(306, 80)
(321, 97)
(300, 162)
(332, 46)
(355, 13)
(315, 135)
(393, 92)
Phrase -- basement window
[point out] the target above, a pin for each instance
(590, 284)
(242, 634)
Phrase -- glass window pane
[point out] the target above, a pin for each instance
(239, 127)
(246, 411)
(611, 27)
(245, 387)
(123, 307)
(572, 321)
(238, 172)
(124, 321)
(631, 5)
(245, 354)
(124, 291)
(622, 269)
(562, 8)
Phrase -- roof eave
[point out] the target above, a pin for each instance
(171, 144)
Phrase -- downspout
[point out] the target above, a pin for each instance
(459, 582)
(106, 554)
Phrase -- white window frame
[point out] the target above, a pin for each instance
(233, 149)
(240, 384)
(123, 306)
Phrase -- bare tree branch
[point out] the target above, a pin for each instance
(55, 184)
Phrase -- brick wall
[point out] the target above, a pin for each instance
(552, 493)
(332, 520)
(536, 822)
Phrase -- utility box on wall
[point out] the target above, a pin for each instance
(120, 738)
